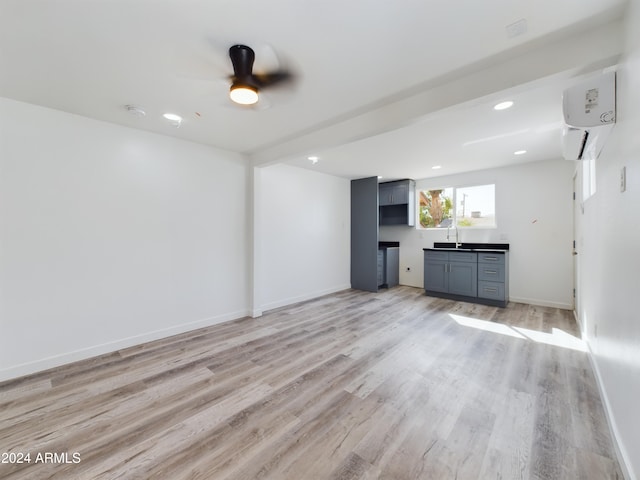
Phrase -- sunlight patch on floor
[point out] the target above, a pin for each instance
(486, 326)
(557, 337)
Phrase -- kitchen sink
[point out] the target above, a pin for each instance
(465, 246)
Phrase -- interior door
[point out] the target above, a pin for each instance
(577, 217)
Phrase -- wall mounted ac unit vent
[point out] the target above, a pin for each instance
(589, 110)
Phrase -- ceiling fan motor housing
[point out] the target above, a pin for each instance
(242, 58)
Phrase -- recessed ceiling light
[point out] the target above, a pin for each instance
(436, 167)
(503, 105)
(519, 152)
(173, 119)
(313, 159)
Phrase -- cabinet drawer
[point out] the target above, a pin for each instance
(491, 273)
(463, 257)
(431, 255)
(492, 290)
(491, 258)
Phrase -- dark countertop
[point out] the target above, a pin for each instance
(470, 247)
(483, 250)
(385, 245)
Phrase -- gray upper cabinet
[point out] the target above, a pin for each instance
(397, 203)
(394, 193)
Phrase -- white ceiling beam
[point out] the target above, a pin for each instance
(574, 55)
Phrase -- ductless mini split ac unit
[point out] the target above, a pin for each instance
(589, 115)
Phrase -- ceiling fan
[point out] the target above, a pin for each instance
(246, 84)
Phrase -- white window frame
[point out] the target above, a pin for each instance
(455, 200)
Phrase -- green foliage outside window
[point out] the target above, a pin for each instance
(468, 206)
(436, 208)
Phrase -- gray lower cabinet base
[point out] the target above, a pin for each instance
(464, 298)
(467, 275)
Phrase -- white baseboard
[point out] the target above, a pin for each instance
(541, 303)
(621, 453)
(301, 298)
(530, 301)
(28, 368)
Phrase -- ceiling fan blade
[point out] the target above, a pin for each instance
(273, 78)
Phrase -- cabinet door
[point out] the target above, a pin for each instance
(463, 278)
(364, 234)
(393, 193)
(436, 277)
(385, 194)
(400, 194)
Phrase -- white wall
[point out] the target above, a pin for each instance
(111, 236)
(533, 215)
(303, 233)
(610, 260)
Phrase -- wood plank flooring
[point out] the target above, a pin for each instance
(355, 385)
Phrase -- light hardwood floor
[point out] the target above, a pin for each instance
(394, 385)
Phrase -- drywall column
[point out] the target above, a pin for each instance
(256, 242)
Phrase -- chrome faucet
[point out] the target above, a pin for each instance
(458, 244)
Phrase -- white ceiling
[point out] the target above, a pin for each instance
(382, 88)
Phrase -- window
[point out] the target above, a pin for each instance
(436, 208)
(461, 206)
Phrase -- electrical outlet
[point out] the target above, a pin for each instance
(623, 179)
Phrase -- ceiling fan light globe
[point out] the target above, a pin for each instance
(243, 94)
